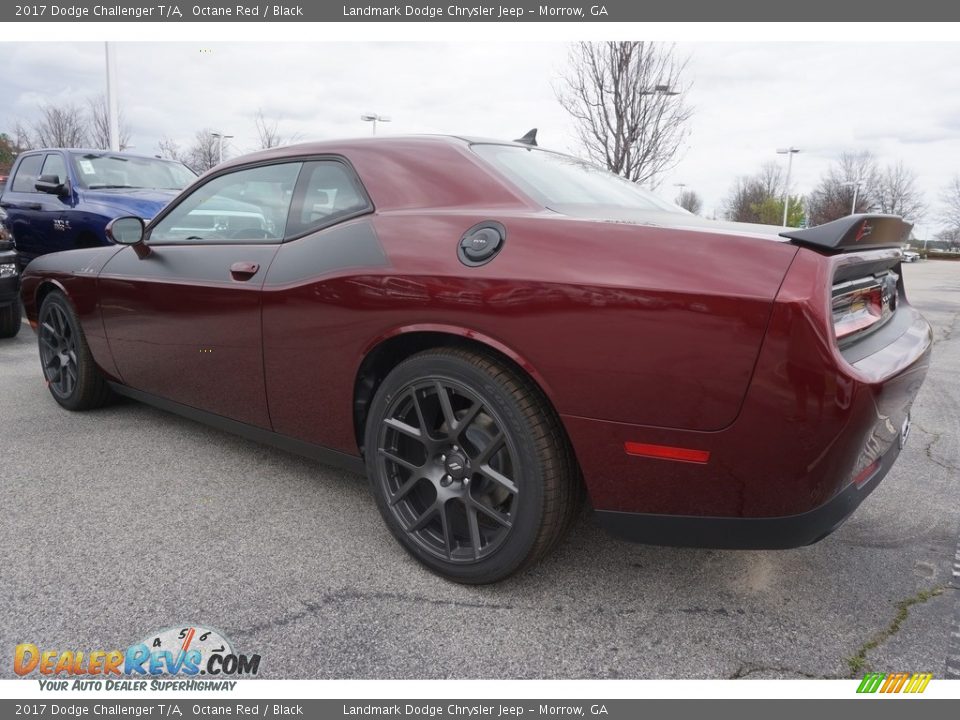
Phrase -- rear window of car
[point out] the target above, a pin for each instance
(562, 182)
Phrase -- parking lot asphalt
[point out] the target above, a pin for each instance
(126, 520)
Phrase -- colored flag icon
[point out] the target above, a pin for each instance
(894, 682)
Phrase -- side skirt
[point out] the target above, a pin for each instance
(335, 458)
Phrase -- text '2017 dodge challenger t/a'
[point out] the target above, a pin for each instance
(492, 331)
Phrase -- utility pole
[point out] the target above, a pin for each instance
(113, 107)
(220, 138)
(374, 118)
(789, 152)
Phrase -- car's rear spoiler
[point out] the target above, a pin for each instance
(854, 232)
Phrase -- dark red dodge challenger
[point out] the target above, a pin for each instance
(491, 331)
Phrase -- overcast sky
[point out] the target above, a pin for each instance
(899, 100)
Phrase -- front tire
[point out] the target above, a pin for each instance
(10, 319)
(469, 465)
(72, 376)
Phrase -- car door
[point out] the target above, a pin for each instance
(183, 318)
(37, 219)
(306, 327)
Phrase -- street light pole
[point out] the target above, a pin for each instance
(659, 90)
(666, 91)
(374, 118)
(789, 152)
(220, 138)
(680, 196)
(855, 184)
(113, 108)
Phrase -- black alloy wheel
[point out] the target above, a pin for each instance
(72, 375)
(449, 470)
(58, 351)
(468, 464)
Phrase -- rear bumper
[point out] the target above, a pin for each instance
(783, 471)
(755, 533)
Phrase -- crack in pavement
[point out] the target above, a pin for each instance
(312, 608)
(928, 449)
(858, 661)
(341, 597)
(747, 669)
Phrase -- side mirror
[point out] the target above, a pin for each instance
(128, 231)
(50, 184)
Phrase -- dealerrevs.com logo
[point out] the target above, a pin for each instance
(180, 658)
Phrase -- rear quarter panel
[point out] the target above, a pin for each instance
(629, 323)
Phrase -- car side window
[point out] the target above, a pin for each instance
(27, 174)
(245, 205)
(54, 165)
(328, 191)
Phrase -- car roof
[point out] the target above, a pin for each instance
(344, 145)
(96, 151)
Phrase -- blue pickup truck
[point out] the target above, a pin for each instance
(61, 199)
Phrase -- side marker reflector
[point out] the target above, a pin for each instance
(866, 473)
(666, 452)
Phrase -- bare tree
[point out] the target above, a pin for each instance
(948, 239)
(689, 200)
(896, 192)
(627, 100)
(58, 126)
(749, 198)
(99, 124)
(268, 133)
(950, 212)
(204, 153)
(170, 149)
(834, 195)
(22, 139)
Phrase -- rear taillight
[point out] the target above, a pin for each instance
(862, 305)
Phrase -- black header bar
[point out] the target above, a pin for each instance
(852, 11)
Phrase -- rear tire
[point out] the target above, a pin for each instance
(10, 319)
(469, 464)
(72, 376)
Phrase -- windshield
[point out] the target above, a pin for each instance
(564, 183)
(108, 170)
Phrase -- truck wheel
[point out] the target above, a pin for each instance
(10, 319)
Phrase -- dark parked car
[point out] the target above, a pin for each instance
(9, 286)
(490, 331)
(61, 199)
